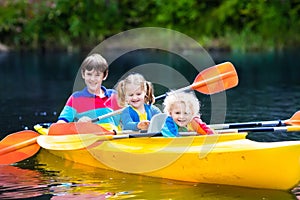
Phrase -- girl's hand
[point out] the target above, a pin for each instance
(143, 125)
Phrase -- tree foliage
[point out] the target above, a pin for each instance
(231, 24)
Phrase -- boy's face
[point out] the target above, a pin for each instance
(181, 114)
(135, 96)
(93, 80)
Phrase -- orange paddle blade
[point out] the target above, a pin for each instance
(216, 79)
(77, 128)
(294, 120)
(18, 146)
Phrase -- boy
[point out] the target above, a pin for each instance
(94, 100)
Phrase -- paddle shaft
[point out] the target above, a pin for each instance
(220, 77)
(80, 141)
(294, 120)
(116, 112)
(17, 146)
(248, 124)
(263, 129)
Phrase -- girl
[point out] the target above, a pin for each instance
(137, 93)
(183, 110)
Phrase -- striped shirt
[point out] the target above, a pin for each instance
(83, 103)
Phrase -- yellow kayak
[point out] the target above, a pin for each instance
(228, 159)
(83, 179)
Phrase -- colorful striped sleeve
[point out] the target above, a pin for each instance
(170, 129)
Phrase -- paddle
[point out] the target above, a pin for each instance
(294, 120)
(262, 129)
(212, 80)
(18, 146)
(71, 142)
(80, 141)
(78, 127)
(209, 81)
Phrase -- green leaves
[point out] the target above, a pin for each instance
(231, 24)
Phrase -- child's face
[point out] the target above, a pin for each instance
(134, 95)
(181, 114)
(93, 80)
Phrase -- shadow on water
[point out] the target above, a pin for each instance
(34, 88)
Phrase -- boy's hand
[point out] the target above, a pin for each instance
(85, 119)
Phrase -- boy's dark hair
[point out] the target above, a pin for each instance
(95, 61)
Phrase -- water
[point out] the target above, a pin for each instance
(34, 88)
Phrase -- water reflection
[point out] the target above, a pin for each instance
(17, 183)
(71, 180)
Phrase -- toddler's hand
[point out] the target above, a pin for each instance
(200, 127)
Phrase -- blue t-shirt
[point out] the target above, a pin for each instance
(130, 118)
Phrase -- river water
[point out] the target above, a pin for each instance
(35, 86)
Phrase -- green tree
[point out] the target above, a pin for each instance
(239, 25)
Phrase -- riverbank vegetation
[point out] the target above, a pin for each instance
(237, 25)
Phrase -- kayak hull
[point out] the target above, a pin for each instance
(228, 159)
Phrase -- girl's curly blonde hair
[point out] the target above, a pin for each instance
(138, 80)
(189, 99)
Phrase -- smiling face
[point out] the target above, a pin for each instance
(181, 114)
(93, 80)
(135, 96)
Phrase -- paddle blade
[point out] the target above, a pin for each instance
(77, 128)
(18, 146)
(294, 120)
(216, 79)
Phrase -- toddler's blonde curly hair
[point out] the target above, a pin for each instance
(189, 99)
